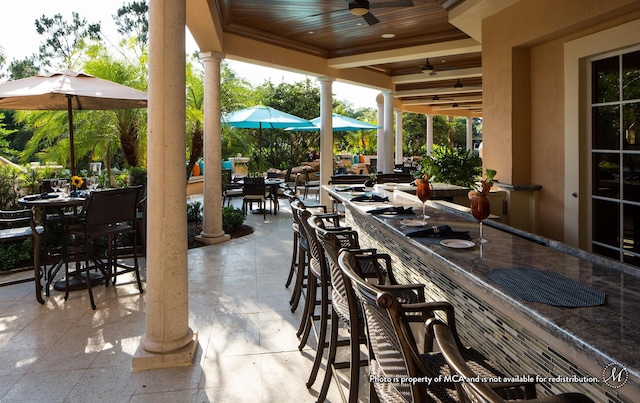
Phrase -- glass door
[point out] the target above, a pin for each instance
(615, 157)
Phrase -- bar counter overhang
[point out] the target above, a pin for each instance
(522, 337)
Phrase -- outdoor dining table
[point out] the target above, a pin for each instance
(57, 202)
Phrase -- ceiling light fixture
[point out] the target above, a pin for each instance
(388, 36)
(357, 9)
(458, 85)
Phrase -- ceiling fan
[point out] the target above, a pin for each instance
(361, 8)
(429, 68)
(436, 98)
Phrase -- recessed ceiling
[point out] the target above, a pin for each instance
(328, 30)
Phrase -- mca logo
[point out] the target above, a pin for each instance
(615, 375)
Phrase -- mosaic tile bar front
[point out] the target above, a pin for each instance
(519, 340)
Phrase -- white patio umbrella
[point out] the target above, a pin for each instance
(69, 90)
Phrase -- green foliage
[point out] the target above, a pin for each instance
(15, 254)
(194, 211)
(132, 21)
(9, 186)
(63, 39)
(232, 219)
(24, 68)
(300, 99)
(137, 176)
(455, 166)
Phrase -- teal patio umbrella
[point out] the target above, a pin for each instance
(259, 117)
(340, 123)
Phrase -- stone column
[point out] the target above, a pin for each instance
(398, 136)
(212, 230)
(429, 134)
(387, 158)
(469, 133)
(381, 119)
(326, 136)
(168, 341)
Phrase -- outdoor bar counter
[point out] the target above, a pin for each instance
(521, 337)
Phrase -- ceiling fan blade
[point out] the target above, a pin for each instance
(370, 19)
(399, 3)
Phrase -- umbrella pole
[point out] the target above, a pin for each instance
(71, 145)
(260, 149)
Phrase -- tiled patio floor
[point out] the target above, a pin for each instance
(65, 352)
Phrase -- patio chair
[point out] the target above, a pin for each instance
(310, 185)
(394, 353)
(17, 226)
(451, 350)
(288, 183)
(101, 219)
(374, 267)
(229, 188)
(254, 190)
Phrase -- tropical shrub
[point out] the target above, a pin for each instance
(455, 166)
(232, 219)
(194, 211)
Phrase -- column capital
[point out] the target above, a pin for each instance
(211, 55)
(325, 78)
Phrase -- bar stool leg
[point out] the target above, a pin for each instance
(322, 335)
(294, 257)
(302, 269)
(333, 347)
(306, 321)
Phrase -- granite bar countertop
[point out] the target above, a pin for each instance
(607, 333)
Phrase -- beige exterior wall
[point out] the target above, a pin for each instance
(524, 99)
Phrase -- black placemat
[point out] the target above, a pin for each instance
(546, 287)
(435, 234)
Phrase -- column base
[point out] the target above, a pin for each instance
(212, 239)
(144, 360)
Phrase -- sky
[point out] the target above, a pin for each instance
(19, 39)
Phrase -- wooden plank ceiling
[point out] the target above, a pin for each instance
(328, 29)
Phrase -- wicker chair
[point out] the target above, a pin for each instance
(395, 353)
(101, 219)
(302, 251)
(292, 196)
(344, 306)
(479, 391)
(318, 277)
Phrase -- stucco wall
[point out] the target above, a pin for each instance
(523, 81)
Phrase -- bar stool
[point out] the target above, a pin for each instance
(292, 196)
(303, 251)
(318, 276)
(344, 306)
